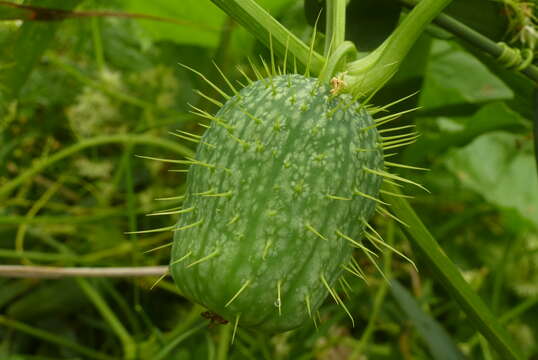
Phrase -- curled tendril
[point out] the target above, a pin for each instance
(515, 58)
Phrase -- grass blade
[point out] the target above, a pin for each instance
(450, 277)
(436, 337)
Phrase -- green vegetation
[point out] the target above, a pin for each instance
(90, 88)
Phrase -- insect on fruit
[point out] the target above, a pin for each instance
(215, 319)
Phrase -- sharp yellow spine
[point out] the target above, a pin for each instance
(185, 227)
(205, 258)
(314, 231)
(355, 243)
(166, 228)
(394, 177)
(173, 212)
(159, 279)
(247, 283)
(202, 76)
(181, 258)
(159, 247)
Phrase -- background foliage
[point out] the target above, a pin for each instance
(80, 98)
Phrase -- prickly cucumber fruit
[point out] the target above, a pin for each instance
(277, 192)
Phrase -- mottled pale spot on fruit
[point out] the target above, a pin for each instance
(305, 144)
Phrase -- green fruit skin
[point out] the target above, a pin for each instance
(291, 146)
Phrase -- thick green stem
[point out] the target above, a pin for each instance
(370, 73)
(264, 27)
(450, 277)
(336, 61)
(335, 25)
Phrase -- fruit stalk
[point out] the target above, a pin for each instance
(336, 25)
(365, 75)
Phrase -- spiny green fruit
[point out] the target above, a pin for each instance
(277, 198)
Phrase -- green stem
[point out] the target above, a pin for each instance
(263, 26)
(36, 255)
(131, 215)
(335, 25)
(450, 277)
(127, 309)
(55, 339)
(519, 309)
(178, 340)
(128, 343)
(95, 216)
(224, 342)
(499, 273)
(97, 41)
(370, 73)
(187, 322)
(336, 61)
(507, 316)
(83, 79)
(36, 207)
(379, 298)
(474, 38)
(81, 145)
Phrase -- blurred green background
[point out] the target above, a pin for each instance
(79, 98)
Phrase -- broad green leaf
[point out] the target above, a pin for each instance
(501, 167)
(459, 131)
(521, 85)
(199, 21)
(23, 51)
(438, 340)
(454, 76)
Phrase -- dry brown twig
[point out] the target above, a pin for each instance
(51, 272)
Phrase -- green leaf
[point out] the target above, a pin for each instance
(202, 20)
(459, 131)
(500, 166)
(438, 340)
(23, 51)
(454, 77)
(518, 83)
